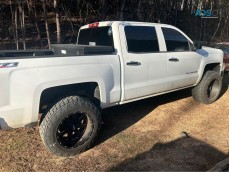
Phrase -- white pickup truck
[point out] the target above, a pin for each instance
(113, 63)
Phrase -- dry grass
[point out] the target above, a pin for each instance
(143, 135)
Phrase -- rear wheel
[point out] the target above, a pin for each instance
(70, 126)
(209, 88)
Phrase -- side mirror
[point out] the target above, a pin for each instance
(198, 45)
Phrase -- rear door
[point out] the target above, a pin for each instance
(183, 60)
(145, 67)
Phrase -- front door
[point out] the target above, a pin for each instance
(145, 67)
(183, 61)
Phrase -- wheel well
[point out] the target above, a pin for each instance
(212, 67)
(50, 96)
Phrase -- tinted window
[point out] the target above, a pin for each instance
(175, 41)
(141, 39)
(96, 36)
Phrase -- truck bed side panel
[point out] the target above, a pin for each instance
(22, 85)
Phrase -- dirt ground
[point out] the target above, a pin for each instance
(170, 133)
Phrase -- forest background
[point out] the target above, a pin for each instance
(35, 24)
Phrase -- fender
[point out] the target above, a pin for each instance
(32, 81)
(209, 56)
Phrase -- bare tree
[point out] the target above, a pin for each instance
(44, 3)
(217, 28)
(67, 15)
(180, 13)
(57, 13)
(16, 26)
(31, 4)
(22, 21)
(13, 9)
(183, 5)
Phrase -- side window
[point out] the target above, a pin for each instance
(175, 41)
(141, 39)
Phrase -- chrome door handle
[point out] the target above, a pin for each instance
(173, 59)
(133, 63)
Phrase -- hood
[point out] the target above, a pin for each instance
(205, 51)
(211, 50)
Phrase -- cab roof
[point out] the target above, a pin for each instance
(109, 23)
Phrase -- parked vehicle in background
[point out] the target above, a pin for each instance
(113, 63)
(225, 47)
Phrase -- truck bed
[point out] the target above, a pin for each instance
(74, 49)
(25, 53)
(58, 50)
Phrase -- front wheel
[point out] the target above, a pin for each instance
(70, 126)
(209, 88)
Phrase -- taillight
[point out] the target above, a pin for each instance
(94, 25)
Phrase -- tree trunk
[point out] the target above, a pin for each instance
(57, 12)
(69, 19)
(183, 5)
(22, 21)
(23, 26)
(36, 20)
(218, 26)
(46, 23)
(16, 27)
(12, 19)
(29, 6)
(225, 26)
(33, 12)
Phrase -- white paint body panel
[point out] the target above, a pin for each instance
(21, 86)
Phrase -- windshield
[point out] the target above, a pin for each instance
(96, 36)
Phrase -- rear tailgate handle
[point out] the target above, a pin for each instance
(173, 59)
(133, 63)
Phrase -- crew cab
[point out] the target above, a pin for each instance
(65, 89)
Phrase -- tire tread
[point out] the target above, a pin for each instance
(198, 92)
(71, 101)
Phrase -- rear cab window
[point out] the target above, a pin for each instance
(97, 36)
(176, 41)
(141, 39)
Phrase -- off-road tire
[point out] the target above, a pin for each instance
(49, 127)
(209, 88)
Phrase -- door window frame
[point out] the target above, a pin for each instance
(158, 42)
(190, 42)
